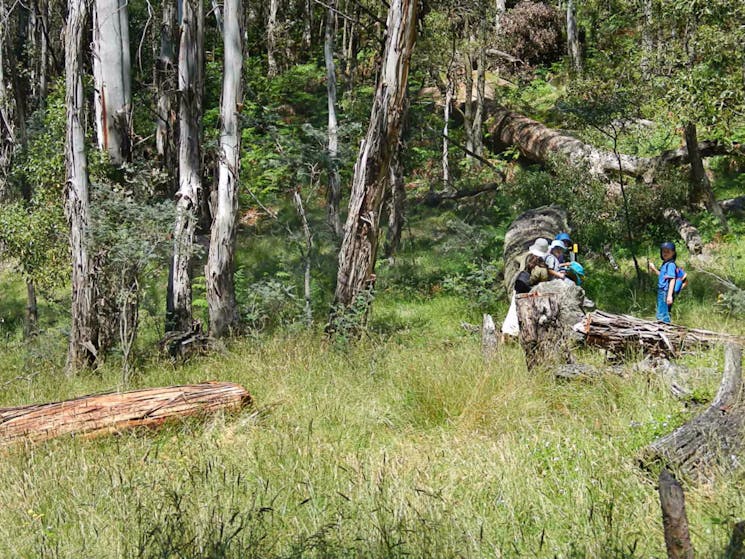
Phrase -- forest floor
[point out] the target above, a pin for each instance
(404, 444)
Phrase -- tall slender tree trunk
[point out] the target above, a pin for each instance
(371, 176)
(7, 130)
(334, 185)
(179, 312)
(221, 262)
(271, 39)
(449, 91)
(500, 9)
(112, 74)
(701, 190)
(307, 26)
(647, 37)
(397, 209)
(477, 133)
(468, 101)
(166, 84)
(573, 48)
(82, 348)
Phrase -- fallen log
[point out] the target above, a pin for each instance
(537, 142)
(733, 205)
(101, 414)
(622, 333)
(674, 519)
(690, 235)
(716, 437)
(544, 222)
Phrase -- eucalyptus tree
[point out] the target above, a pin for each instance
(166, 83)
(112, 76)
(371, 173)
(82, 348)
(573, 48)
(179, 310)
(334, 186)
(221, 263)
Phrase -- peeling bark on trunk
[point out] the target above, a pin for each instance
(477, 133)
(166, 85)
(334, 184)
(179, 315)
(360, 244)
(449, 90)
(112, 74)
(82, 348)
(714, 438)
(220, 267)
(7, 128)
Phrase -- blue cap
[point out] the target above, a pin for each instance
(563, 237)
(667, 245)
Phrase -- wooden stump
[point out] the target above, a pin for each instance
(541, 334)
(716, 437)
(674, 520)
(488, 337)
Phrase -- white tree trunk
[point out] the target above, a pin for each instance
(81, 350)
(371, 174)
(221, 261)
(573, 48)
(501, 8)
(334, 189)
(7, 130)
(271, 39)
(449, 90)
(478, 116)
(112, 75)
(166, 84)
(190, 178)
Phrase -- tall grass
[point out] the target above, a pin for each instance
(406, 444)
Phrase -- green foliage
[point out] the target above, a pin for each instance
(268, 303)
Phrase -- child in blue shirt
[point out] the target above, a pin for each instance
(665, 281)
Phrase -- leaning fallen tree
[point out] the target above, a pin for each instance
(623, 333)
(717, 436)
(117, 411)
(545, 222)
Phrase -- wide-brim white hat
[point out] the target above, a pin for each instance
(539, 248)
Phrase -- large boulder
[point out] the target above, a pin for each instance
(546, 222)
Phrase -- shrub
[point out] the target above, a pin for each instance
(531, 31)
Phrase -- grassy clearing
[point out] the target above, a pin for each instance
(405, 445)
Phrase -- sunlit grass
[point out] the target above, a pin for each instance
(406, 444)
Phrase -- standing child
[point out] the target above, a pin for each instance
(665, 281)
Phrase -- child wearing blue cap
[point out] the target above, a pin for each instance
(666, 280)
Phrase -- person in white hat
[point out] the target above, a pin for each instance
(555, 261)
(540, 248)
(510, 325)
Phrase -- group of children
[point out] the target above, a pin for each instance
(557, 261)
(545, 262)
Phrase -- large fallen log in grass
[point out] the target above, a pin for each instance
(623, 333)
(717, 436)
(117, 411)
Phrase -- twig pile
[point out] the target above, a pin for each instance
(106, 413)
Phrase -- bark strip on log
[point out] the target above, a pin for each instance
(713, 438)
(622, 333)
(101, 414)
(674, 520)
